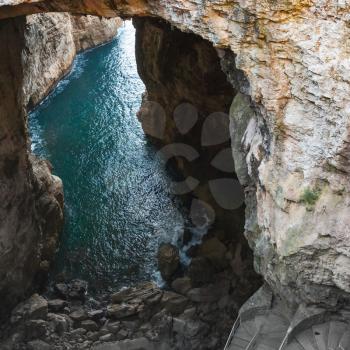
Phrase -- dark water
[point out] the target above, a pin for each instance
(117, 205)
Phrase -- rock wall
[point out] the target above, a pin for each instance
(184, 79)
(31, 198)
(51, 42)
(296, 145)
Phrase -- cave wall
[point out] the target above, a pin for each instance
(52, 41)
(181, 69)
(31, 213)
(184, 80)
(295, 57)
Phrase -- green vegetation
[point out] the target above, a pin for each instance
(310, 197)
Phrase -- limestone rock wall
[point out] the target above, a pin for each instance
(31, 198)
(52, 41)
(295, 56)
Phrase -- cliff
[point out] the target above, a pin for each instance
(51, 42)
(290, 128)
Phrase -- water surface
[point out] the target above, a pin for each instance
(117, 204)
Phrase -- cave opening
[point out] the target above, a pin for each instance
(185, 114)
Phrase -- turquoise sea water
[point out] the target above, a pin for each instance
(117, 206)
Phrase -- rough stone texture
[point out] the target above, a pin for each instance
(168, 260)
(295, 57)
(31, 198)
(141, 317)
(52, 41)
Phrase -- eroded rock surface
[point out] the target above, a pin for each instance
(52, 42)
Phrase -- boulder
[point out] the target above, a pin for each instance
(89, 325)
(36, 307)
(57, 305)
(122, 310)
(215, 251)
(38, 345)
(59, 323)
(79, 315)
(76, 289)
(168, 260)
(174, 303)
(96, 314)
(36, 329)
(201, 271)
(181, 285)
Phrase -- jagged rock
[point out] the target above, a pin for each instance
(215, 251)
(206, 294)
(89, 325)
(122, 334)
(114, 327)
(38, 345)
(76, 289)
(181, 285)
(60, 323)
(36, 307)
(122, 310)
(174, 303)
(168, 260)
(79, 315)
(107, 337)
(36, 329)
(200, 271)
(57, 305)
(147, 293)
(96, 314)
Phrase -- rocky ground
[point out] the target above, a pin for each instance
(195, 311)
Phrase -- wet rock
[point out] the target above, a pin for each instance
(35, 307)
(168, 260)
(187, 237)
(57, 305)
(76, 289)
(89, 325)
(181, 285)
(122, 310)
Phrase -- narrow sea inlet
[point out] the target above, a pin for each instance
(116, 198)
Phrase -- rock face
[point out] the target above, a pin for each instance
(52, 41)
(296, 145)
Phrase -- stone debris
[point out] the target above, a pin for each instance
(141, 317)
